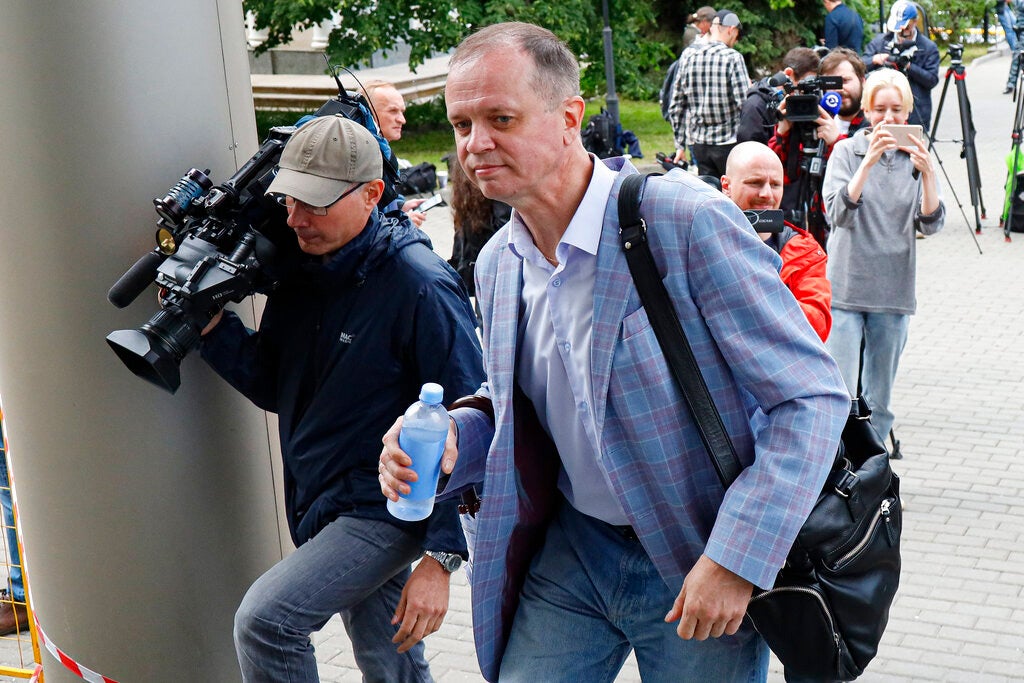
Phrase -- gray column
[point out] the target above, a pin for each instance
(145, 515)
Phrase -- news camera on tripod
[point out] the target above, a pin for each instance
(909, 51)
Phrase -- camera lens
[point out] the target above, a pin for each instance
(154, 351)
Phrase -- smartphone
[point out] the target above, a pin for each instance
(437, 200)
(903, 133)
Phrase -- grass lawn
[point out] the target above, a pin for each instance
(430, 143)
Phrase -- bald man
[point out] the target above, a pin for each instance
(753, 180)
(388, 108)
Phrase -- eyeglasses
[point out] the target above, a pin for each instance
(291, 203)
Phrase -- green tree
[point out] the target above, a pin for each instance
(949, 20)
(436, 26)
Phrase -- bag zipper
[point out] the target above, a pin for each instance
(883, 513)
(810, 591)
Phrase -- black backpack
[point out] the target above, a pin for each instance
(601, 136)
(417, 179)
(1015, 219)
(666, 89)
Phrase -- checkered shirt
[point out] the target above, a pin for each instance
(711, 84)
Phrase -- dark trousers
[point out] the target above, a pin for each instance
(711, 158)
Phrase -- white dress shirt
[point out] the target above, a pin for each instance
(553, 367)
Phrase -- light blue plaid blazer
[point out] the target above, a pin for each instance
(780, 394)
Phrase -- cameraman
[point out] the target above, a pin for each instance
(757, 118)
(344, 344)
(842, 63)
(753, 181)
(906, 49)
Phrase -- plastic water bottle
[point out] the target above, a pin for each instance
(424, 431)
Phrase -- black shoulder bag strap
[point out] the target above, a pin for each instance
(671, 338)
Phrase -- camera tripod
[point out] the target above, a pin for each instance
(958, 75)
(807, 164)
(1012, 183)
(809, 200)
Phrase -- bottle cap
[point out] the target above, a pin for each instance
(432, 393)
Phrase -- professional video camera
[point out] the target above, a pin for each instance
(806, 153)
(217, 245)
(900, 54)
(811, 92)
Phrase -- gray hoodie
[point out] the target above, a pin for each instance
(872, 246)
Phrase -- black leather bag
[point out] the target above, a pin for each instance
(417, 179)
(827, 611)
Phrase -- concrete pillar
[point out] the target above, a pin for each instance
(254, 37)
(145, 515)
(322, 34)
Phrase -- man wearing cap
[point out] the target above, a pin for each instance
(711, 84)
(905, 48)
(700, 21)
(345, 343)
(697, 32)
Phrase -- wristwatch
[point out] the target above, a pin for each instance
(450, 562)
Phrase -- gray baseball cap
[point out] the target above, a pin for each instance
(325, 157)
(726, 18)
(705, 13)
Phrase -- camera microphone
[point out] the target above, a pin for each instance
(831, 101)
(778, 80)
(135, 281)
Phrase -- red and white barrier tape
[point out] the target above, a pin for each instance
(73, 666)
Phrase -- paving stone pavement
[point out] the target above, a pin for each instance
(959, 614)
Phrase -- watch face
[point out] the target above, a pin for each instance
(450, 561)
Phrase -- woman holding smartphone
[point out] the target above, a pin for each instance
(877, 194)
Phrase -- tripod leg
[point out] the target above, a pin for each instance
(969, 151)
(938, 110)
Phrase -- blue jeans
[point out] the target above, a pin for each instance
(355, 567)
(1011, 78)
(15, 584)
(590, 597)
(1008, 21)
(884, 336)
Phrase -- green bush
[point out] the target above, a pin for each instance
(428, 115)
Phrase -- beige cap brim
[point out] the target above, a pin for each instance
(306, 187)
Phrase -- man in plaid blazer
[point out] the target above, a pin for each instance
(603, 522)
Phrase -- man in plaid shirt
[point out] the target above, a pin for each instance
(711, 84)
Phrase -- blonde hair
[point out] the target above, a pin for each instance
(888, 78)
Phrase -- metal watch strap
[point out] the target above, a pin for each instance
(450, 562)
